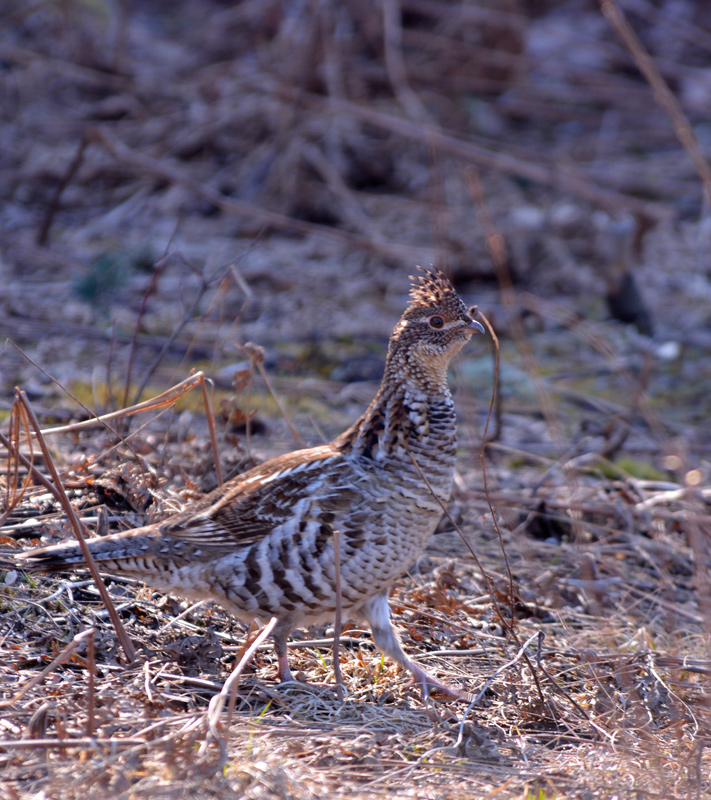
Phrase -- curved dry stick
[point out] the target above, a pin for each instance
(209, 401)
(229, 692)
(13, 493)
(337, 625)
(58, 661)
(159, 401)
(662, 93)
(79, 530)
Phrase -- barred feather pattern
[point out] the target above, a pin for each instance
(263, 544)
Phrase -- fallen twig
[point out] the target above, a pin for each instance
(662, 93)
(228, 693)
(565, 179)
(58, 661)
(79, 531)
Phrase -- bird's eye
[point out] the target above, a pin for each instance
(436, 322)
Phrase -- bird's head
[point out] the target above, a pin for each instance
(434, 327)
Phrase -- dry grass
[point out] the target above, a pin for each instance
(610, 693)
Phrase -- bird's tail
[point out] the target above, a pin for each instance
(110, 553)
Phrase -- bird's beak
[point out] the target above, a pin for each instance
(476, 327)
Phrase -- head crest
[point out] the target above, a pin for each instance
(432, 288)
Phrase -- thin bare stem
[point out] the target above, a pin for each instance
(77, 401)
(58, 661)
(482, 454)
(29, 466)
(13, 493)
(149, 291)
(53, 205)
(159, 401)
(91, 659)
(337, 625)
(484, 573)
(256, 355)
(229, 692)
(209, 401)
(662, 93)
(79, 531)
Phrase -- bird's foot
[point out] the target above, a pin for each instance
(286, 676)
(283, 671)
(427, 682)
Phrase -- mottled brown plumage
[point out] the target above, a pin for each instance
(262, 545)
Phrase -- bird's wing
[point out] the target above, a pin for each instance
(251, 505)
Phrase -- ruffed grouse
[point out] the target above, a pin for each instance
(262, 545)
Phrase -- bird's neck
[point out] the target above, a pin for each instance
(403, 416)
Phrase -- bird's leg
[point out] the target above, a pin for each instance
(280, 635)
(377, 614)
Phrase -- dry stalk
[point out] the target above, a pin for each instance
(162, 400)
(13, 493)
(79, 531)
(395, 63)
(567, 180)
(209, 401)
(172, 173)
(228, 694)
(91, 659)
(482, 454)
(337, 626)
(103, 421)
(57, 662)
(497, 251)
(165, 398)
(14, 453)
(53, 205)
(256, 357)
(149, 291)
(509, 627)
(662, 94)
(62, 744)
(169, 397)
(490, 586)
